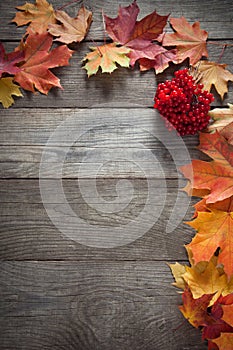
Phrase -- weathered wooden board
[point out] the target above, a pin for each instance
(27, 233)
(125, 87)
(55, 292)
(214, 16)
(91, 305)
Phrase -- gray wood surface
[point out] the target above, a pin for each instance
(56, 293)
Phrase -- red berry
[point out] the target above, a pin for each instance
(183, 103)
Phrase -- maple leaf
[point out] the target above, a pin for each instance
(215, 325)
(178, 271)
(228, 314)
(8, 61)
(71, 29)
(106, 57)
(225, 341)
(190, 40)
(214, 230)
(136, 35)
(203, 278)
(35, 71)
(207, 278)
(223, 122)
(160, 62)
(216, 147)
(39, 15)
(7, 89)
(212, 73)
(195, 310)
(215, 176)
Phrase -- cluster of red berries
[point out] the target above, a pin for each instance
(183, 103)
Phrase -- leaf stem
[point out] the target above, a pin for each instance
(222, 52)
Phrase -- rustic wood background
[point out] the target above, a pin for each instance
(56, 293)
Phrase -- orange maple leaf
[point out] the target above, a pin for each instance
(225, 341)
(212, 73)
(39, 15)
(228, 314)
(35, 71)
(190, 40)
(214, 230)
(217, 175)
(71, 29)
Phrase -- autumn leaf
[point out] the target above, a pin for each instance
(222, 117)
(215, 325)
(206, 277)
(160, 61)
(8, 61)
(228, 314)
(190, 40)
(106, 57)
(223, 122)
(178, 271)
(225, 341)
(71, 29)
(216, 147)
(214, 230)
(39, 58)
(215, 176)
(7, 89)
(212, 73)
(195, 310)
(136, 35)
(39, 15)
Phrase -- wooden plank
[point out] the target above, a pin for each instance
(214, 16)
(24, 162)
(26, 231)
(92, 305)
(124, 87)
(98, 128)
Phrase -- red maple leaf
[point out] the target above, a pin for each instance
(8, 61)
(136, 35)
(39, 58)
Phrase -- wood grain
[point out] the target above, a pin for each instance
(214, 16)
(94, 305)
(57, 294)
(27, 233)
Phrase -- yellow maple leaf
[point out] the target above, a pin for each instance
(212, 73)
(39, 15)
(7, 89)
(206, 277)
(178, 271)
(106, 57)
